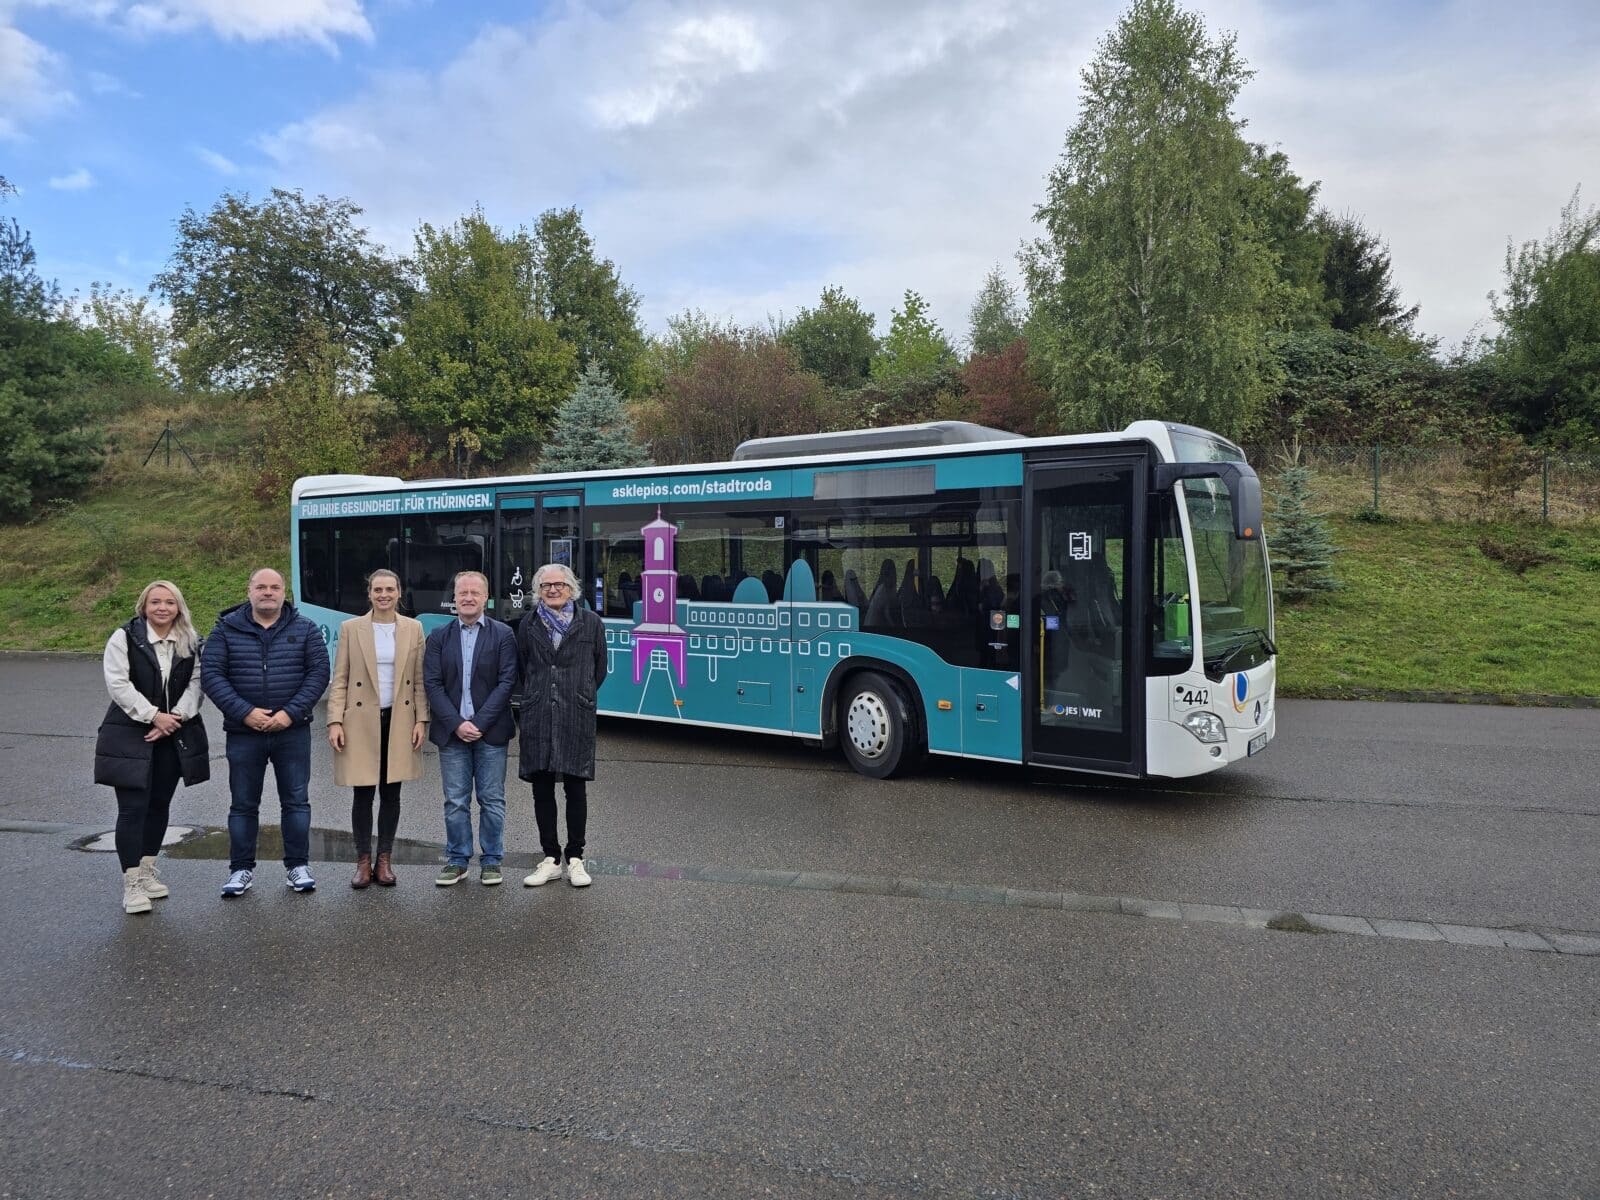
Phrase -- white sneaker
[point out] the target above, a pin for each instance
(150, 879)
(300, 880)
(134, 899)
(238, 882)
(576, 875)
(542, 874)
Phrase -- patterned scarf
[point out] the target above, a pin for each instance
(557, 620)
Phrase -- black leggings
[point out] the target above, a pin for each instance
(142, 814)
(544, 812)
(388, 801)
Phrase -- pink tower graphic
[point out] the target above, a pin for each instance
(659, 629)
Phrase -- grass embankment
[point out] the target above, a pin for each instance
(1424, 610)
(71, 575)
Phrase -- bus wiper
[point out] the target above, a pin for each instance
(1255, 639)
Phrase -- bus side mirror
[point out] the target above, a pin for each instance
(1244, 486)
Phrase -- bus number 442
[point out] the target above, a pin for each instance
(1193, 695)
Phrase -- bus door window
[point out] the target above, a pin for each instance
(1079, 603)
(511, 583)
(562, 537)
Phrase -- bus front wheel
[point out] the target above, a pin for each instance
(877, 726)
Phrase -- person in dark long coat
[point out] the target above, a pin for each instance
(152, 735)
(562, 648)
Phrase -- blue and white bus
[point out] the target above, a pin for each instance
(1095, 603)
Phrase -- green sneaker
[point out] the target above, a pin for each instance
(452, 874)
(489, 876)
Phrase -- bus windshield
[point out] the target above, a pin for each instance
(1235, 592)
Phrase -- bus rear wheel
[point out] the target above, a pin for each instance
(878, 728)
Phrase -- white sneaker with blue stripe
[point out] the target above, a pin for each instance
(300, 880)
(238, 883)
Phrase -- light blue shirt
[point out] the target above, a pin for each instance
(469, 647)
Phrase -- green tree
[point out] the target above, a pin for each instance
(934, 395)
(478, 370)
(263, 291)
(130, 321)
(317, 427)
(582, 295)
(1354, 389)
(1302, 548)
(1357, 281)
(1152, 287)
(592, 430)
(51, 376)
(1548, 348)
(995, 320)
(1282, 208)
(834, 340)
(915, 346)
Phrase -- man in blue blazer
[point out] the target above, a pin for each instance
(469, 670)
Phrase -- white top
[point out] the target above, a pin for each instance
(127, 697)
(383, 642)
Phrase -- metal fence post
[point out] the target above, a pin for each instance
(1546, 486)
(1377, 470)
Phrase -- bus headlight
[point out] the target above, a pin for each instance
(1207, 727)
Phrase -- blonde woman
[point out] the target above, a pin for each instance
(152, 735)
(377, 720)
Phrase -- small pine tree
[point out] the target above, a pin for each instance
(1302, 548)
(592, 430)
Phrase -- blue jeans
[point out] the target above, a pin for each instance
(461, 765)
(289, 752)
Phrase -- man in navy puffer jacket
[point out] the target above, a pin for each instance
(265, 667)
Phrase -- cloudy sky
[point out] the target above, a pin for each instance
(737, 157)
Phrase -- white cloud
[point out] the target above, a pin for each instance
(1446, 136)
(30, 85)
(739, 158)
(78, 181)
(736, 161)
(219, 163)
(671, 68)
(319, 21)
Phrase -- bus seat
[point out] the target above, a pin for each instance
(853, 593)
(883, 608)
(913, 608)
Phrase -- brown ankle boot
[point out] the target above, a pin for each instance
(363, 875)
(384, 874)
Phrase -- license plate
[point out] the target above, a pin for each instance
(1259, 742)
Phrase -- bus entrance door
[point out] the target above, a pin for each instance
(532, 529)
(1081, 691)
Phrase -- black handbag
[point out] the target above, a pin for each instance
(194, 750)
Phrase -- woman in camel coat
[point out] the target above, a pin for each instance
(377, 720)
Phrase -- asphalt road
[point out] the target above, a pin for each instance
(864, 1014)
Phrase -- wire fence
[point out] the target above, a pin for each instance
(1444, 483)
